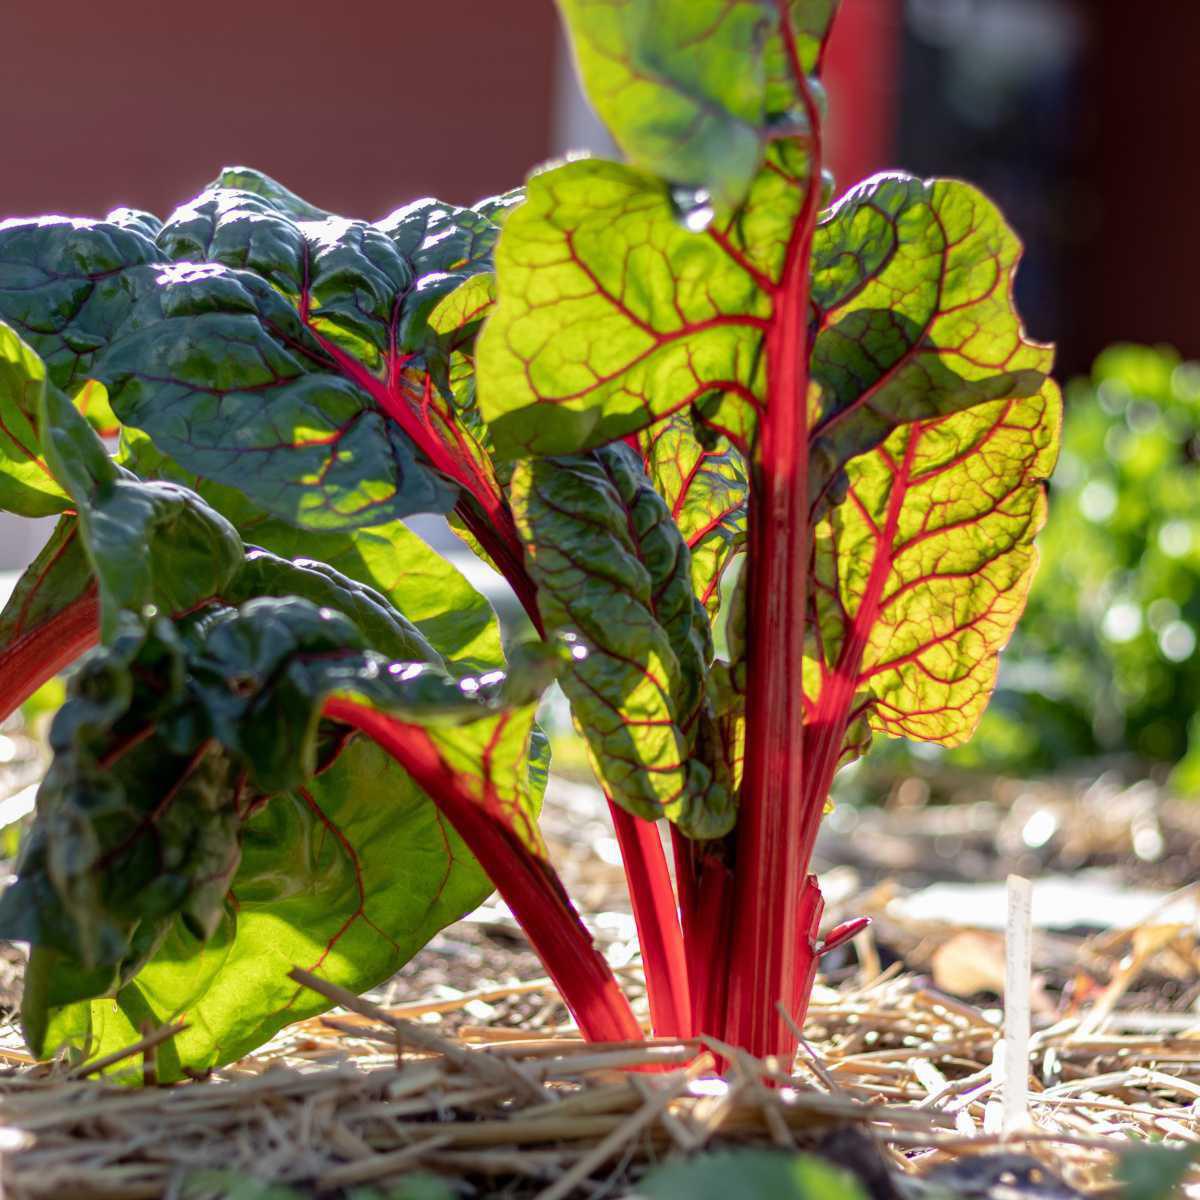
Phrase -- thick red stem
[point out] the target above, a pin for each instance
(773, 949)
(657, 920)
(527, 883)
(40, 654)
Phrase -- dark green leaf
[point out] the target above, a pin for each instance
(417, 581)
(149, 543)
(67, 286)
(193, 751)
(613, 572)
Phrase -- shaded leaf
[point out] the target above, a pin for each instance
(149, 543)
(613, 572)
(415, 580)
(765, 1173)
(174, 738)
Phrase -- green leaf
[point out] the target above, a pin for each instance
(190, 751)
(767, 1174)
(705, 487)
(912, 290)
(27, 486)
(67, 286)
(430, 591)
(693, 91)
(149, 543)
(920, 573)
(1154, 1172)
(611, 316)
(222, 373)
(267, 344)
(613, 573)
(247, 179)
(330, 879)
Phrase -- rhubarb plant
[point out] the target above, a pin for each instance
(294, 736)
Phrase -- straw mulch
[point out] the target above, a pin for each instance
(491, 1089)
(370, 1096)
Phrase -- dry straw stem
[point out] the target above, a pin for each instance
(329, 1105)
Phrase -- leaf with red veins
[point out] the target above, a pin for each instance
(613, 572)
(345, 868)
(921, 572)
(705, 487)
(912, 305)
(611, 315)
(67, 286)
(695, 90)
(365, 293)
(299, 373)
(27, 485)
(347, 907)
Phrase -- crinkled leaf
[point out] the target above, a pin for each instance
(174, 737)
(67, 286)
(912, 292)
(281, 199)
(266, 344)
(921, 572)
(613, 572)
(366, 885)
(611, 316)
(149, 543)
(705, 487)
(692, 90)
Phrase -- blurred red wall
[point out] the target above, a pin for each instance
(357, 106)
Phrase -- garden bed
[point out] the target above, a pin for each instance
(488, 1084)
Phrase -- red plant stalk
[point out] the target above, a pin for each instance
(527, 883)
(657, 921)
(776, 903)
(705, 885)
